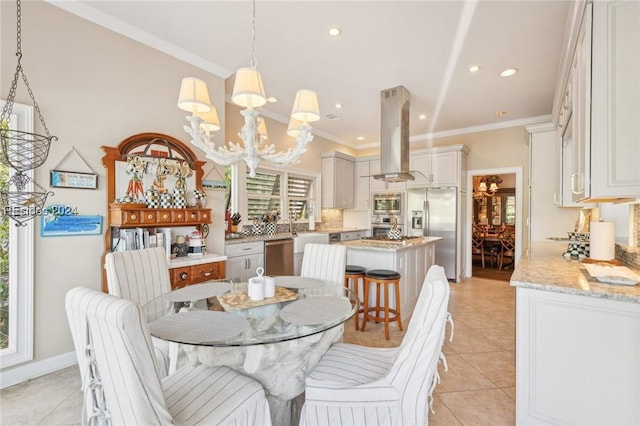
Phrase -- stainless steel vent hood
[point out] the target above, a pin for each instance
(394, 135)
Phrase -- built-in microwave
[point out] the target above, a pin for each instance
(388, 204)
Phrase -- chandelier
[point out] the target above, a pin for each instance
(248, 92)
(487, 191)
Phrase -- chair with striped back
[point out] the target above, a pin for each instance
(132, 392)
(325, 262)
(141, 276)
(359, 385)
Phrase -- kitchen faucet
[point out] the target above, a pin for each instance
(292, 217)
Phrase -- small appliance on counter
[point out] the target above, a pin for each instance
(196, 244)
(180, 248)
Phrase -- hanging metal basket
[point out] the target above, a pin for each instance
(22, 206)
(24, 151)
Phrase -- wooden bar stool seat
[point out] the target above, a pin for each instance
(354, 273)
(385, 278)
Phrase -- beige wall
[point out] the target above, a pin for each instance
(94, 88)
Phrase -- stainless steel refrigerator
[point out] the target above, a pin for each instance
(432, 212)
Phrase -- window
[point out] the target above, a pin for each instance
(275, 191)
(16, 270)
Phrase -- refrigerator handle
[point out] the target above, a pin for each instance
(425, 214)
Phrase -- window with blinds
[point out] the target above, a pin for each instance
(265, 194)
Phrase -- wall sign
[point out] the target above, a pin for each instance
(61, 221)
(62, 179)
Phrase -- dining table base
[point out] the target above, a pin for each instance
(280, 367)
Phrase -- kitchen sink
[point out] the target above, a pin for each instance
(309, 237)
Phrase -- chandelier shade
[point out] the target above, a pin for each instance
(294, 127)
(194, 95)
(305, 107)
(210, 120)
(248, 90)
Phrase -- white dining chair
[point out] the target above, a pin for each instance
(141, 276)
(115, 356)
(325, 262)
(359, 385)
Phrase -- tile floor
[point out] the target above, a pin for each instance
(478, 389)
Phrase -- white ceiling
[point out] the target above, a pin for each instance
(426, 46)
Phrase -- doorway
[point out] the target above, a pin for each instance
(492, 209)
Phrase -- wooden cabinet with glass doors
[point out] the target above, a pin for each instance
(496, 210)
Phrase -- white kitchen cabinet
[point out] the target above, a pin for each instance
(577, 358)
(438, 167)
(243, 259)
(601, 105)
(362, 185)
(615, 101)
(337, 181)
(378, 185)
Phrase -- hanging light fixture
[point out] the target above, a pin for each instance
(483, 190)
(22, 198)
(248, 92)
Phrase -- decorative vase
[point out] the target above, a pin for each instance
(257, 229)
(152, 198)
(166, 200)
(270, 228)
(179, 199)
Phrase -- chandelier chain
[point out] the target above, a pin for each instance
(253, 34)
(8, 106)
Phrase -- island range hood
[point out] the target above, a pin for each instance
(394, 135)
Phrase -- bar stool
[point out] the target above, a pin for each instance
(354, 273)
(385, 278)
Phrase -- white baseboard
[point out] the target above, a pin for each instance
(35, 369)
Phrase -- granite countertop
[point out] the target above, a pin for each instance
(546, 269)
(373, 245)
(179, 262)
(251, 238)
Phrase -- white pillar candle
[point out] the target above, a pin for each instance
(602, 240)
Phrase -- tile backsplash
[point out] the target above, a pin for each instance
(630, 256)
(332, 219)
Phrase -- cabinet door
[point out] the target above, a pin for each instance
(422, 164)
(361, 180)
(615, 99)
(581, 115)
(444, 166)
(254, 262)
(343, 184)
(235, 268)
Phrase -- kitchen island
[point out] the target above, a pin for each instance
(577, 343)
(411, 260)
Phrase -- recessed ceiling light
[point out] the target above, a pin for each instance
(474, 68)
(360, 138)
(499, 113)
(422, 116)
(508, 72)
(334, 31)
(272, 99)
(338, 106)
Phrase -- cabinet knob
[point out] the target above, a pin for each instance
(150, 216)
(133, 216)
(183, 276)
(165, 216)
(205, 274)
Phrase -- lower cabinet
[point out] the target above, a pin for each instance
(577, 359)
(186, 275)
(243, 259)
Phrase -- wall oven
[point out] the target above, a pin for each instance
(381, 224)
(388, 204)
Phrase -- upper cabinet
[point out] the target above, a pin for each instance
(438, 167)
(337, 180)
(362, 185)
(600, 105)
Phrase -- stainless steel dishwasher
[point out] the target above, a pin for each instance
(278, 257)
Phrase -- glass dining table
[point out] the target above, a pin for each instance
(276, 340)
